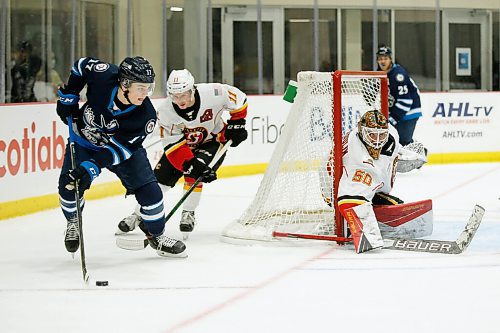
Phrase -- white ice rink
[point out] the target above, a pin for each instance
(232, 288)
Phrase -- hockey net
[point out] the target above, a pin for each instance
(290, 198)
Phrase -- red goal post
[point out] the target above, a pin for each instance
(338, 89)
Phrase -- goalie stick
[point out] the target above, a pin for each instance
(437, 246)
(135, 244)
(413, 244)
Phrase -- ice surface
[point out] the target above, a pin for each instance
(222, 287)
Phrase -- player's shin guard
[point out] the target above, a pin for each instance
(193, 200)
(130, 222)
(152, 212)
(364, 228)
(68, 206)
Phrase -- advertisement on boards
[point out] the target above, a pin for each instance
(460, 122)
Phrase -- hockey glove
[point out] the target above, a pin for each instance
(196, 168)
(67, 104)
(381, 198)
(85, 173)
(235, 130)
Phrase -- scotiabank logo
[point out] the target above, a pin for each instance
(31, 152)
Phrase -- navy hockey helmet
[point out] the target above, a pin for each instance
(384, 51)
(136, 69)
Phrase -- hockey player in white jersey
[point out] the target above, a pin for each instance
(369, 163)
(371, 157)
(193, 124)
(370, 154)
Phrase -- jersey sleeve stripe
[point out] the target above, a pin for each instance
(402, 107)
(347, 199)
(174, 146)
(408, 101)
(239, 113)
(78, 69)
(125, 152)
(414, 111)
(116, 159)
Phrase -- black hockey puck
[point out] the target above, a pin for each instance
(101, 283)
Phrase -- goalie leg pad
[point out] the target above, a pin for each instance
(409, 220)
(364, 228)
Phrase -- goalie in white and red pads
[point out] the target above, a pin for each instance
(370, 156)
(192, 126)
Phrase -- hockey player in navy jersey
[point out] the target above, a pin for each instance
(108, 131)
(404, 99)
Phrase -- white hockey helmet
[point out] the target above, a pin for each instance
(180, 81)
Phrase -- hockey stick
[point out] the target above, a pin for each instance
(135, 244)
(437, 246)
(413, 244)
(72, 152)
(337, 239)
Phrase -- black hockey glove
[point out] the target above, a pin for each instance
(197, 168)
(235, 130)
(381, 198)
(67, 104)
(85, 173)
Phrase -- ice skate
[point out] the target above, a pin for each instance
(72, 237)
(187, 223)
(128, 224)
(164, 246)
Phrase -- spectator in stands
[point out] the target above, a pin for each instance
(48, 81)
(24, 73)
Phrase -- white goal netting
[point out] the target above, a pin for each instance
(290, 197)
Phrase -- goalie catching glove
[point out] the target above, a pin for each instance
(196, 168)
(235, 131)
(85, 173)
(412, 156)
